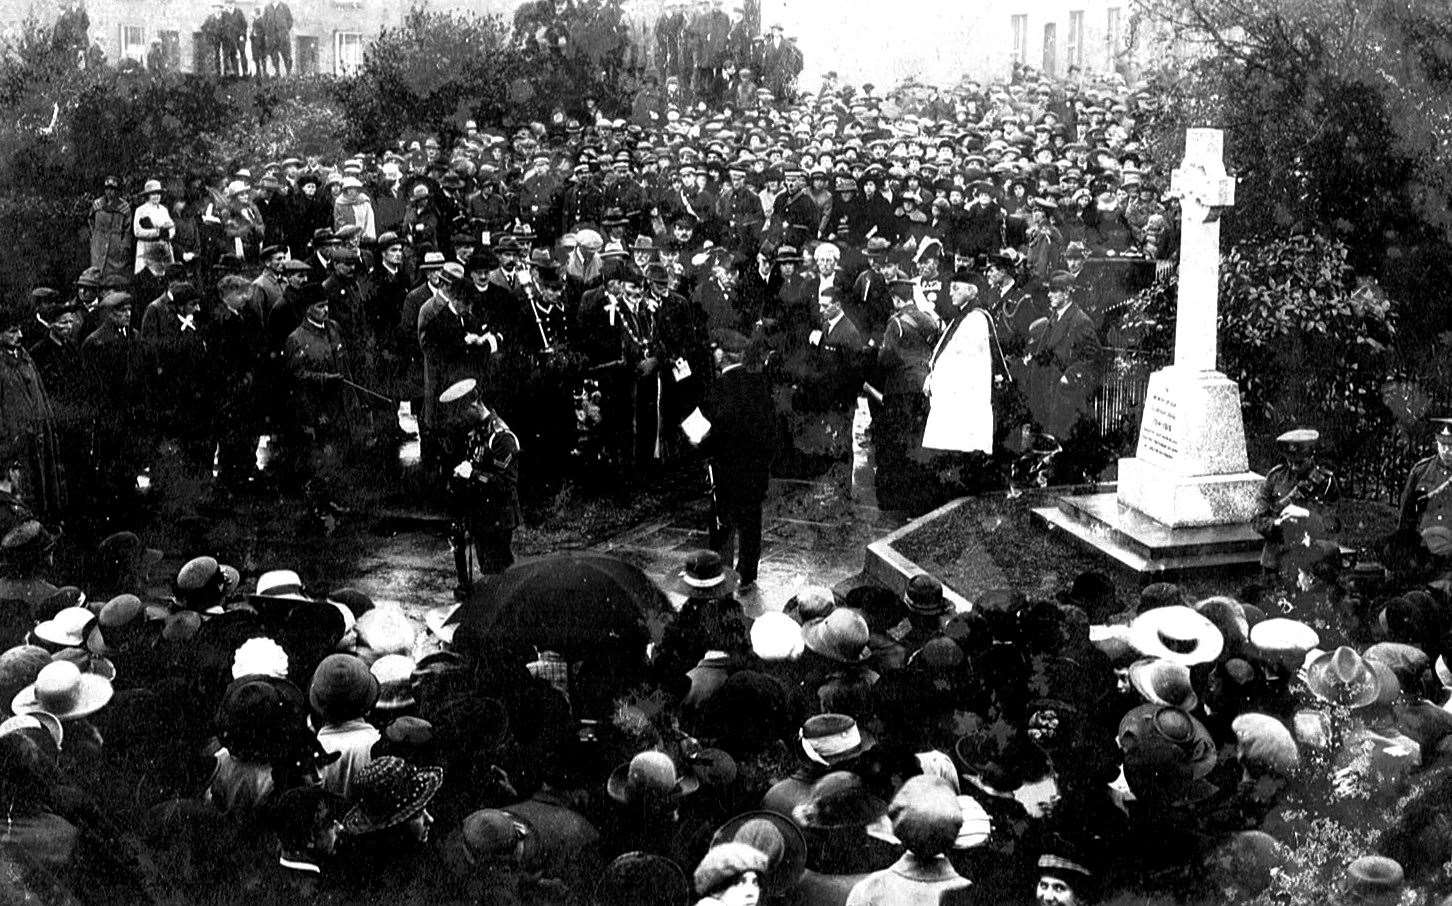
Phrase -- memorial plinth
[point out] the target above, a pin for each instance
(1185, 498)
(1190, 469)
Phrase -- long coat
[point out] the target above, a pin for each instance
(26, 418)
(110, 224)
(960, 385)
(1070, 362)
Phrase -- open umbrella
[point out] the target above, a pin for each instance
(570, 602)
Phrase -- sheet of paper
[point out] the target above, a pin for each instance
(681, 370)
(696, 426)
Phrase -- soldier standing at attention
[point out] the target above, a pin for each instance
(1297, 499)
(1426, 507)
(484, 483)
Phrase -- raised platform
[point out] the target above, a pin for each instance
(892, 570)
(1101, 522)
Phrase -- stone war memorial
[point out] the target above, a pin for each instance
(1185, 498)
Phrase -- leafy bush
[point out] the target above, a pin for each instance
(1304, 341)
(298, 125)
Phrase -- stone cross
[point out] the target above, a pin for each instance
(1204, 191)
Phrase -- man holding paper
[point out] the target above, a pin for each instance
(735, 428)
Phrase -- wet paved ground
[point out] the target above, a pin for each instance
(813, 532)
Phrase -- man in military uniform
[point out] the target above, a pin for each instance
(1297, 500)
(1426, 507)
(317, 362)
(484, 483)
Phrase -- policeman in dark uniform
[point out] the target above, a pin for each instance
(1426, 507)
(1297, 501)
(484, 483)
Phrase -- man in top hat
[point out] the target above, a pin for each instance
(1426, 504)
(740, 444)
(1297, 499)
(484, 477)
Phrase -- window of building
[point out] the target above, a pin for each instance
(1074, 41)
(1113, 38)
(347, 52)
(306, 63)
(133, 43)
(1020, 39)
(170, 49)
(1051, 49)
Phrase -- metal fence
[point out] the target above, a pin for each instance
(1120, 400)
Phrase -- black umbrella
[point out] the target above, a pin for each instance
(570, 602)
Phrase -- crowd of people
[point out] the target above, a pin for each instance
(722, 278)
(197, 744)
(955, 258)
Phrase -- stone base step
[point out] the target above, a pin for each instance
(1102, 523)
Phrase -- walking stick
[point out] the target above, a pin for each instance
(372, 393)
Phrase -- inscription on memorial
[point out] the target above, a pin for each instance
(1157, 430)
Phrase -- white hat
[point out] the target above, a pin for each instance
(1176, 634)
(67, 629)
(63, 690)
(776, 637)
(281, 583)
(259, 657)
(352, 182)
(237, 187)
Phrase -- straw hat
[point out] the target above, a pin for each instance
(63, 690)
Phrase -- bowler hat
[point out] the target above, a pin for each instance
(925, 596)
(705, 575)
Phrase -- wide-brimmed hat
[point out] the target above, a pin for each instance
(1342, 677)
(1284, 640)
(152, 187)
(840, 799)
(120, 619)
(36, 721)
(649, 778)
(839, 636)
(1163, 682)
(831, 739)
(705, 575)
(635, 878)
(63, 690)
(390, 791)
(1178, 634)
(204, 584)
(777, 837)
(67, 629)
(1156, 724)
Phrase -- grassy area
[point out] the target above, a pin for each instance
(992, 542)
